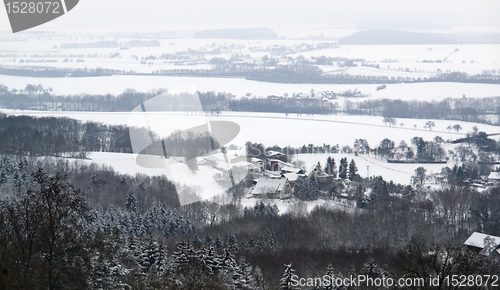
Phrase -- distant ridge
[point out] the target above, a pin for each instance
(237, 33)
(382, 37)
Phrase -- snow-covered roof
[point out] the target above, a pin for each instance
(494, 175)
(291, 169)
(272, 153)
(291, 176)
(280, 162)
(310, 170)
(273, 174)
(269, 185)
(478, 240)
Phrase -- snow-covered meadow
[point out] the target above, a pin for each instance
(279, 129)
(241, 87)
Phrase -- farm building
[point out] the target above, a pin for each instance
(483, 243)
(271, 187)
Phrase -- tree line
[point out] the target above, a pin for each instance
(35, 97)
(51, 136)
(294, 73)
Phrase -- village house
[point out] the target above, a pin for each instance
(257, 165)
(291, 177)
(494, 178)
(271, 154)
(278, 165)
(484, 244)
(272, 188)
(313, 170)
(290, 169)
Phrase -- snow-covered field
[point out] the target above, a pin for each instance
(382, 71)
(126, 164)
(372, 166)
(277, 129)
(123, 163)
(480, 53)
(240, 87)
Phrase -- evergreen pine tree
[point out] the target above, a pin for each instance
(162, 264)
(101, 274)
(134, 247)
(208, 239)
(218, 242)
(131, 202)
(330, 273)
(211, 260)
(372, 270)
(343, 168)
(260, 243)
(313, 188)
(301, 189)
(184, 255)
(229, 268)
(233, 244)
(195, 241)
(259, 278)
(286, 281)
(353, 170)
(107, 271)
(138, 229)
(332, 191)
(271, 243)
(330, 167)
(246, 279)
(149, 254)
(94, 180)
(3, 177)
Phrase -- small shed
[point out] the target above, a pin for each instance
(485, 244)
(494, 176)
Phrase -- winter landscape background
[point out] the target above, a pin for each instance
(368, 144)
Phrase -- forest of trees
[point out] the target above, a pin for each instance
(51, 136)
(103, 230)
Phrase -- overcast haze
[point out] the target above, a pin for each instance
(377, 14)
(450, 12)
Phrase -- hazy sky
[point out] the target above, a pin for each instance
(454, 12)
(424, 13)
